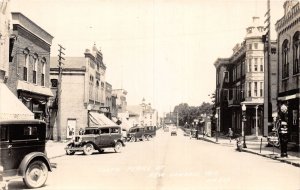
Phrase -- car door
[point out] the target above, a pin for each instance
(104, 137)
(115, 133)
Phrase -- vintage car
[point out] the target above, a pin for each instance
(150, 132)
(96, 138)
(22, 150)
(173, 130)
(136, 133)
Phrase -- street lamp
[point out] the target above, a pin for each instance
(216, 116)
(243, 125)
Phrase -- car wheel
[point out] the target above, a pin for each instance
(36, 174)
(147, 137)
(143, 138)
(88, 149)
(118, 147)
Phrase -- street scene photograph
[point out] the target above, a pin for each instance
(150, 94)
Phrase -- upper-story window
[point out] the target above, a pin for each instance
(261, 64)
(261, 89)
(35, 66)
(255, 64)
(43, 72)
(243, 68)
(25, 69)
(255, 89)
(250, 65)
(54, 83)
(249, 89)
(97, 91)
(285, 62)
(296, 53)
(238, 71)
(226, 76)
(250, 46)
(255, 45)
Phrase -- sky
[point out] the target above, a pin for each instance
(160, 50)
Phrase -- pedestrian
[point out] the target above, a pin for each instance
(283, 136)
(230, 134)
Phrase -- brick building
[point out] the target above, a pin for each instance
(29, 65)
(83, 91)
(288, 38)
(240, 81)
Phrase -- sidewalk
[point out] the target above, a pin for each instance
(55, 149)
(259, 147)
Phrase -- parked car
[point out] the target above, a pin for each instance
(174, 130)
(136, 133)
(96, 138)
(22, 149)
(150, 132)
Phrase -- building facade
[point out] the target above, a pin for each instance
(288, 38)
(121, 101)
(240, 81)
(5, 32)
(29, 65)
(83, 87)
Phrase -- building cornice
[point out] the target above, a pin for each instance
(286, 20)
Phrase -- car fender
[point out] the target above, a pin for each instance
(119, 140)
(33, 156)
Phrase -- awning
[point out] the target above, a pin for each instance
(29, 87)
(100, 120)
(11, 107)
(289, 97)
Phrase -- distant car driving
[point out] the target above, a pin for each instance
(174, 130)
(96, 138)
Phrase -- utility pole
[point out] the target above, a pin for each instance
(60, 69)
(267, 50)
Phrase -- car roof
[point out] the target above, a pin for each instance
(31, 121)
(103, 127)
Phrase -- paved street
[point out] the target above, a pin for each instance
(170, 162)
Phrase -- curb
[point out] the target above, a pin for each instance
(263, 155)
(272, 157)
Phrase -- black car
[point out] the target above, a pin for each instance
(22, 149)
(96, 138)
(150, 132)
(136, 133)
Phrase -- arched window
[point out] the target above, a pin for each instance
(296, 53)
(26, 65)
(35, 68)
(43, 73)
(285, 61)
(97, 90)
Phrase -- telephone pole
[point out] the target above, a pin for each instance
(60, 69)
(267, 49)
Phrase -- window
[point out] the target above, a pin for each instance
(255, 45)
(54, 83)
(25, 69)
(24, 132)
(226, 76)
(249, 89)
(3, 134)
(43, 72)
(97, 91)
(255, 64)
(255, 88)
(242, 91)
(104, 131)
(285, 63)
(296, 53)
(261, 64)
(261, 89)
(243, 68)
(250, 46)
(34, 74)
(115, 130)
(250, 65)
